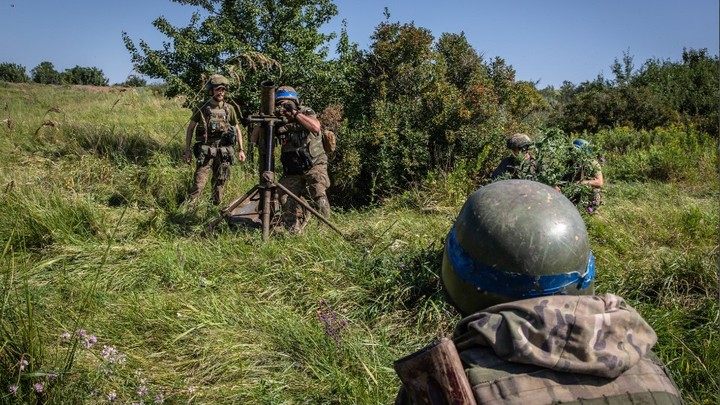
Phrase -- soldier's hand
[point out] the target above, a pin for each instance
(241, 155)
(188, 156)
(288, 110)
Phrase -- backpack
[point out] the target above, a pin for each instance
(329, 140)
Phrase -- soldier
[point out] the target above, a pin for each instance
(518, 266)
(518, 144)
(215, 125)
(302, 155)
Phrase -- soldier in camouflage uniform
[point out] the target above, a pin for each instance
(518, 266)
(302, 155)
(215, 126)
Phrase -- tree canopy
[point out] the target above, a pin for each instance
(247, 40)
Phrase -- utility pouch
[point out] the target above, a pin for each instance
(228, 155)
(201, 153)
(296, 161)
(229, 138)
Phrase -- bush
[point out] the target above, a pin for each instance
(663, 154)
(13, 73)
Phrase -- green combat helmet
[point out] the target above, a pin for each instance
(216, 81)
(518, 141)
(516, 239)
(286, 93)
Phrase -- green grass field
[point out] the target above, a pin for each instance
(109, 295)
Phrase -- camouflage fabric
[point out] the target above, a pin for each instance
(316, 181)
(496, 381)
(588, 350)
(594, 335)
(298, 139)
(216, 160)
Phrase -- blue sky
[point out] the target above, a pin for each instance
(546, 41)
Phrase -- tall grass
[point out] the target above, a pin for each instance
(98, 226)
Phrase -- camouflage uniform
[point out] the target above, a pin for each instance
(214, 151)
(562, 349)
(304, 168)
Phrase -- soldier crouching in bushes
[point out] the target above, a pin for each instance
(215, 125)
(518, 266)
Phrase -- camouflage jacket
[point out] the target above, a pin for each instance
(561, 349)
(297, 139)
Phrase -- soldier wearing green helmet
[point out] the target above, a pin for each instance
(216, 130)
(518, 266)
(511, 166)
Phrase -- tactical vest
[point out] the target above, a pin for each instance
(496, 381)
(214, 126)
(301, 149)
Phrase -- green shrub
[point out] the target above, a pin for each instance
(665, 154)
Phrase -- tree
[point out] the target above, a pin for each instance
(84, 75)
(462, 61)
(134, 81)
(246, 40)
(45, 73)
(13, 73)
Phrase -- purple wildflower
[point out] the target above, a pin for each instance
(81, 333)
(402, 265)
(111, 396)
(602, 159)
(38, 387)
(191, 389)
(65, 337)
(13, 389)
(332, 326)
(108, 352)
(142, 390)
(90, 340)
(590, 209)
(159, 399)
(22, 364)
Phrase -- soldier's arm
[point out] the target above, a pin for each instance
(310, 122)
(239, 137)
(596, 182)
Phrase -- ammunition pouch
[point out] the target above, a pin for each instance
(227, 155)
(224, 154)
(202, 153)
(296, 161)
(229, 137)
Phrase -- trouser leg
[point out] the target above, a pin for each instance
(202, 172)
(221, 174)
(291, 211)
(318, 182)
